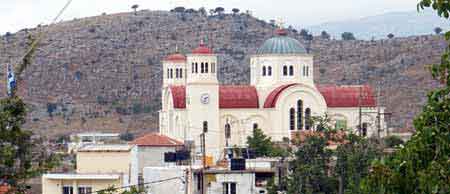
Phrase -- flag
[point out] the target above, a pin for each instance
(11, 80)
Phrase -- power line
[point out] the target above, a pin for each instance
(146, 183)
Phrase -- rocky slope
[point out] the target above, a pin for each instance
(104, 72)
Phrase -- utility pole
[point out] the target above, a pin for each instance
(203, 149)
(360, 111)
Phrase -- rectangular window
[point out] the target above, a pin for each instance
(213, 68)
(193, 67)
(196, 67)
(177, 73)
(206, 67)
(181, 73)
(304, 71)
(202, 68)
(84, 190)
(307, 71)
(67, 190)
(229, 188)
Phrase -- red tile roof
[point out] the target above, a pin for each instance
(348, 96)
(156, 140)
(272, 98)
(202, 49)
(238, 97)
(175, 57)
(178, 96)
(4, 188)
(335, 96)
(230, 96)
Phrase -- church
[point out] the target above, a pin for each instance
(281, 99)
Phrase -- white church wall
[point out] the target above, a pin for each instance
(351, 114)
(276, 62)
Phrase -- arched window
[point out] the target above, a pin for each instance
(206, 67)
(292, 119)
(196, 67)
(264, 71)
(269, 72)
(291, 70)
(285, 70)
(181, 73)
(308, 121)
(304, 70)
(193, 67)
(171, 73)
(202, 68)
(227, 131)
(307, 71)
(168, 73)
(205, 126)
(299, 115)
(213, 67)
(177, 73)
(255, 126)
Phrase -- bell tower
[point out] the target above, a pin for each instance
(202, 98)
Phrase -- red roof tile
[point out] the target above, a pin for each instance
(178, 96)
(272, 98)
(175, 57)
(335, 96)
(202, 49)
(348, 96)
(229, 96)
(157, 140)
(238, 97)
(4, 188)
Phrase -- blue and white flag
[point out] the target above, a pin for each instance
(11, 80)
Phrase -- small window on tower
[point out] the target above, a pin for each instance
(181, 73)
(291, 70)
(264, 71)
(177, 73)
(196, 67)
(168, 73)
(213, 68)
(205, 126)
(307, 71)
(202, 68)
(269, 72)
(285, 70)
(304, 71)
(206, 67)
(171, 73)
(193, 67)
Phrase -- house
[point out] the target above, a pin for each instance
(151, 149)
(97, 168)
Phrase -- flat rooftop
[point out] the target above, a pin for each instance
(106, 148)
(76, 176)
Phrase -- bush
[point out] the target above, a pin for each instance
(393, 141)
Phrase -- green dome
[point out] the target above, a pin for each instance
(281, 44)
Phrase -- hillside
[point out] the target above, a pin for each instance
(104, 72)
(401, 24)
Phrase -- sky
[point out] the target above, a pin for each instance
(19, 14)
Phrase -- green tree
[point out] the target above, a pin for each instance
(353, 159)
(348, 36)
(437, 30)
(310, 168)
(135, 7)
(263, 145)
(324, 35)
(422, 165)
(22, 156)
(390, 35)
